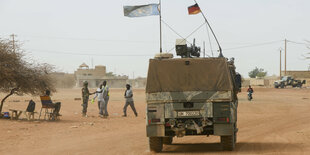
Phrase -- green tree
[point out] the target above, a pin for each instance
(257, 72)
(20, 77)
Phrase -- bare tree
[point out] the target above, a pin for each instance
(18, 76)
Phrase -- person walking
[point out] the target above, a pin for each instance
(85, 96)
(129, 101)
(101, 101)
(106, 97)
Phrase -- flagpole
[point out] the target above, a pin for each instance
(220, 49)
(160, 36)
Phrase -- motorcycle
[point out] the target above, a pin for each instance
(250, 96)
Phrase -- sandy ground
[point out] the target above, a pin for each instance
(275, 122)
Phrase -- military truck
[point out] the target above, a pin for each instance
(288, 81)
(191, 96)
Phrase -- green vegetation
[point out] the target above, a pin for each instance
(257, 72)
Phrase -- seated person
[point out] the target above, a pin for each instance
(56, 105)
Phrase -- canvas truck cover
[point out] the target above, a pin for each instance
(187, 78)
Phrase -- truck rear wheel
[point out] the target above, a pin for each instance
(156, 144)
(228, 142)
(235, 133)
(167, 140)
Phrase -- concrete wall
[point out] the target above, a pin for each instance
(138, 82)
(298, 74)
(255, 82)
(265, 82)
(117, 83)
(245, 83)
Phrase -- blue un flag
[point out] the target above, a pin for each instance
(141, 10)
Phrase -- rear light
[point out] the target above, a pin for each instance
(154, 120)
(222, 119)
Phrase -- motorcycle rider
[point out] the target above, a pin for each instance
(250, 92)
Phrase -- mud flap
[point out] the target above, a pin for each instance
(155, 130)
(223, 129)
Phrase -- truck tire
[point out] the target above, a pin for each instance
(235, 133)
(282, 85)
(299, 85)
(228, 142)
(156, 144)
(167, 140)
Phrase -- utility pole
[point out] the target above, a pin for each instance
(280, 64)
(161, 49)
(285, 42)
(204, 49)
(13, 41)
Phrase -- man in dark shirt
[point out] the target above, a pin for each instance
(85, 96)
(250, 92)
(250, 89)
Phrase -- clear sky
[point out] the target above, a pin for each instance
(67, 33)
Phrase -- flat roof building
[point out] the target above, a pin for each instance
(95, 76)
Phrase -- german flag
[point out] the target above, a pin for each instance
(194, 9)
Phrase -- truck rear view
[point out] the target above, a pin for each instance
(191, 96)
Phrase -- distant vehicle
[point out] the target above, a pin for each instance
(191, 96)
(288, 81)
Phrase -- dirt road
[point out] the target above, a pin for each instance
(275, 122)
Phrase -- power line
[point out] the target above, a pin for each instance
(91, 39)
(298, 42)
(86, 53)
(254, 45)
